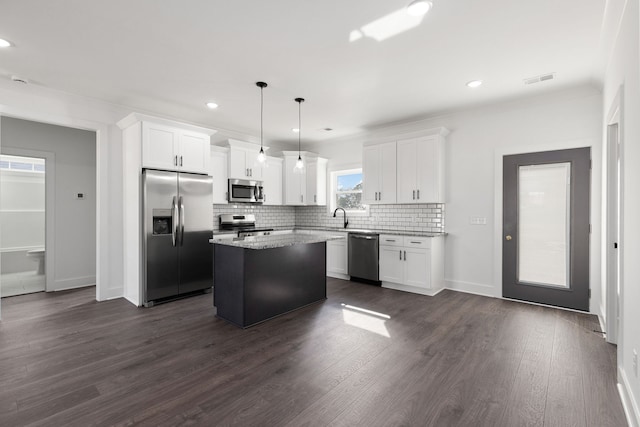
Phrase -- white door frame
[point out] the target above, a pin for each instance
(613, 219)
(49, 214)
(102, 181)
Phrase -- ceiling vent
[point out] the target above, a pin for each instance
(540, 78)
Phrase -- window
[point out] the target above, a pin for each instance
(347, 190)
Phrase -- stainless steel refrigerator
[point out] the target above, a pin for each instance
(177, 224)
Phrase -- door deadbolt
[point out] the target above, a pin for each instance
(508, 237)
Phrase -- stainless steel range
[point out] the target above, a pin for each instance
(244, 225)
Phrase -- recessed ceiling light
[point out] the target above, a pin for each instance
(474, 83)
(4, 43)
(419, 7)
(296, 130)
(212, 105)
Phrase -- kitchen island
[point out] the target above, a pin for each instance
(258, 278)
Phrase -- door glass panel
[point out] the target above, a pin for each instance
(543, 224)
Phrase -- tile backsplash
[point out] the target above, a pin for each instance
(266, 216)
(423, 217)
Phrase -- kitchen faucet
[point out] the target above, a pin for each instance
(344, 216)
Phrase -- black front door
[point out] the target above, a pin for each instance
(545, 246)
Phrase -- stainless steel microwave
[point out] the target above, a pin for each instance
(244, 191)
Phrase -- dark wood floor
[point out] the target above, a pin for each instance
(450, 360)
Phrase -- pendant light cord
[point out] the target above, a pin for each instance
(299, 125)
(261, 112)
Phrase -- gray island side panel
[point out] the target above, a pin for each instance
(252, 286)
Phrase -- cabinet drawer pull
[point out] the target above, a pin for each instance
(389, 240)
(419, 243)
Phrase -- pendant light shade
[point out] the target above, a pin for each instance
(299, 168)
(261, 156)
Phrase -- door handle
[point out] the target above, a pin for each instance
(508, 237)
(174, 221)
(180, 202)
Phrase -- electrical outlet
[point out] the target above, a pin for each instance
(635, 362)
(478, 220)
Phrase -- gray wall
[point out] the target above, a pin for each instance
(75, 172)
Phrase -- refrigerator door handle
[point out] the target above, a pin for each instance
(181, 221)
(174, 220)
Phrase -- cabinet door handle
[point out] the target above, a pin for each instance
(175, 160)
(250, 172)
(379, 195)
(418, 191)
(400, 255)
(405, 255)
(180, 160)
(315, 198)
(419, 243)
(414, 194)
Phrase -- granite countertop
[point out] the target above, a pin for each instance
(344, 230)
(357, 230)
(275, 241)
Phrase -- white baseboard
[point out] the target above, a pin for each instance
(339, 276)
(629, 402)
(132, 301)
(73, 283)
(472, 288)
(412, 289)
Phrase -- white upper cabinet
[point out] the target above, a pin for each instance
(272, 181)
(243, 161)
(308, 187)
(295, 183)
(219, 174)
(317, 181)
(169, 145)
(420, 165)
(379, 173)
(171, 148)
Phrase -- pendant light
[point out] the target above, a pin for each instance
(299, 163)
(261, 156)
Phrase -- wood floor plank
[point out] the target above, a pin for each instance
(452, 359)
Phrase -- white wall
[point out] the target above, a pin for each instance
(562, 119)
(622, 75)
(75, 172)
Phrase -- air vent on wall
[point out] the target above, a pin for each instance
(540, 78)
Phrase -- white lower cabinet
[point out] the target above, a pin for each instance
(412, 263)
(337, 257)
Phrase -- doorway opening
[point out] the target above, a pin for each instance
(22, 225)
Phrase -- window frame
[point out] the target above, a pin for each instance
(333, 190)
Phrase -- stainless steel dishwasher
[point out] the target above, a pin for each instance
(363, 256)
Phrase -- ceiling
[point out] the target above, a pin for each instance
(359, 63)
